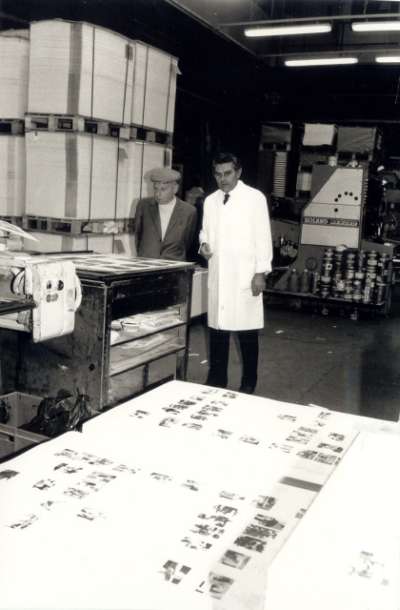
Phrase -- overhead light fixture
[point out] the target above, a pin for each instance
(388, 59)
(288, 30)
(376, 26)
(321, 61)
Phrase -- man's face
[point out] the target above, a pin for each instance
(226, 176)
(164, 192)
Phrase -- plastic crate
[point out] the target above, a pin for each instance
(23, 407)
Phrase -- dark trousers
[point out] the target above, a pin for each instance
(219, 356)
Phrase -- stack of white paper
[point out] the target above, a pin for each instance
(12, 175)
(14, 62)
(136, 160)
(71, 175)
(154, 88)
(80, 69)
(318, 134)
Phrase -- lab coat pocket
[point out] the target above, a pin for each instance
(246, 273)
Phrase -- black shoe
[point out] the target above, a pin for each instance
(246, 389)
(215, 383)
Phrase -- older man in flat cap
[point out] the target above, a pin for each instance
(164, 224)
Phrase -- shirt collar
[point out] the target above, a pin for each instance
(170, 203)
(234, 190)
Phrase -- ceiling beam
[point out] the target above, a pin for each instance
(214, 28)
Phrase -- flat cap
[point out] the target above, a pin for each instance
(164, 174)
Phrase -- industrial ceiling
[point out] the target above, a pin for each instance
(244, 21)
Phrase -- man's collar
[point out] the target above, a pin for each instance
(172, 202)
(239, 182)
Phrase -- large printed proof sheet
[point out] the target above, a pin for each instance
(180, 498)
(346, 553)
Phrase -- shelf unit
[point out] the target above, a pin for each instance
(110, 365)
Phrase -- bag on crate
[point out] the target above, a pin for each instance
(59, 414)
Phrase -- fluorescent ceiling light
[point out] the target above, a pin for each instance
(388, 59)
(321, 61)
(288, 30)
(375, 26)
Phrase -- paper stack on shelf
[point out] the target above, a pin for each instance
(134, 353)
(141, 324)
(12, 175)
(80, 69)
(14, 54)
(71, 175)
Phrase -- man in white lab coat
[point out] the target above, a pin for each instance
(236, 240)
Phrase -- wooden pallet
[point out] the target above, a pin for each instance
(147, 134)
(77, 226)
(13, 127)
(74, 123)
(14, 220)
(80, 124)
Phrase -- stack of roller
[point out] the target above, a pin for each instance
(275, 144)
(14, 60)
(100, 116)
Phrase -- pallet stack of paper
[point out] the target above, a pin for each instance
(136, 160)
(154, 88)
(12, 175)
(71, 175)
(81, 71)
(14, 62)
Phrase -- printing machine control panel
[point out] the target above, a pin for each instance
(54, 288)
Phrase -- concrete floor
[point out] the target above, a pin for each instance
(332, 361)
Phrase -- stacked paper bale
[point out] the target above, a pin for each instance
(86, 81)
(14, 61)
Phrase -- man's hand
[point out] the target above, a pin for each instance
(257, 284)
(205, 251)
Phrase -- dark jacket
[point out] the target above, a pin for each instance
(179, 234)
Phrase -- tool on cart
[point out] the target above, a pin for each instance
(37, 294)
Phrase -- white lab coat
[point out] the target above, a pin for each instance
(239, 236)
